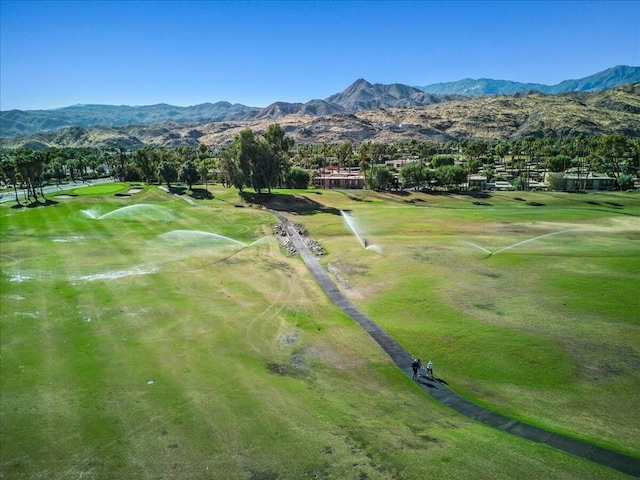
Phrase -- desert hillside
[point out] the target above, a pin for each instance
(500, 117)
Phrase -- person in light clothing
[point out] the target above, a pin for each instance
(430, 368)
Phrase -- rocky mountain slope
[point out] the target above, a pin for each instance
(362, 95)
(500, 117)
(605, 80)
(14, 123)
(359, 96)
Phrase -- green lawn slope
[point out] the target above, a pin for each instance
(527, 303)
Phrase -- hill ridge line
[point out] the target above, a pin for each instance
(438, 388)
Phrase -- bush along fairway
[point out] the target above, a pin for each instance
(143, 336)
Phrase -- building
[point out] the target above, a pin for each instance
(339, 178)
(502, 185)
(588, 181)
(478, 181)
(398, 163)
(536, 185)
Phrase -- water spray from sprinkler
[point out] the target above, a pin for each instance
(363, 241)
(531, 240)
(490, 253)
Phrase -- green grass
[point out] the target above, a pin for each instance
(102, 188)
(143, 337)
(532, 330)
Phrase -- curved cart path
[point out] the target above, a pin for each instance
(439, 390)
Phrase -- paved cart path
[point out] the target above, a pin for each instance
(441, 392)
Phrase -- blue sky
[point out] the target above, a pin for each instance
(59, 53)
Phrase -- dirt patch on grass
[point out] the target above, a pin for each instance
(600, 362)
(296, 367)
(335, 271)
(341, 271)
(287, 339)
(340, 359)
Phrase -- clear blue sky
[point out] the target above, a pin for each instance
(60, 53)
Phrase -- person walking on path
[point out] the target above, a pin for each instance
(416, 366)
(430, 369)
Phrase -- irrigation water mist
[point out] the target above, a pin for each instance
(479, 247)
(351, 224)
(115, 274)
(363, 241)
(132, 212)
(490, 253)
(90, 213)
(197, 237)
(531, 240)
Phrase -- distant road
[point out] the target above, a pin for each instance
(10, 196)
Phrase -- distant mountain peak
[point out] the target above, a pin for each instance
(362, 95)
(358, 86)
(361, 82)
(605, 80)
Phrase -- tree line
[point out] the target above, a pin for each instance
(273, 160)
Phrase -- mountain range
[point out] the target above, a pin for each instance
(598, 82)
(361, 95)
(363, 111)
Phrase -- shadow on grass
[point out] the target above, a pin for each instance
(479, 194)
(354, 197)
(177, 190)
(197, 193)
(458, 193)
(201, 194)
(298, 204)
(397, 193)
(440, 380)
(38, 203)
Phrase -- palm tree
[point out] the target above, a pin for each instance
(9, 172)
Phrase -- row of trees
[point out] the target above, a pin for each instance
(260, 162)
(614, 155)
(270, 160)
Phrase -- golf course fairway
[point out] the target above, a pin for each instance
(144, 336)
